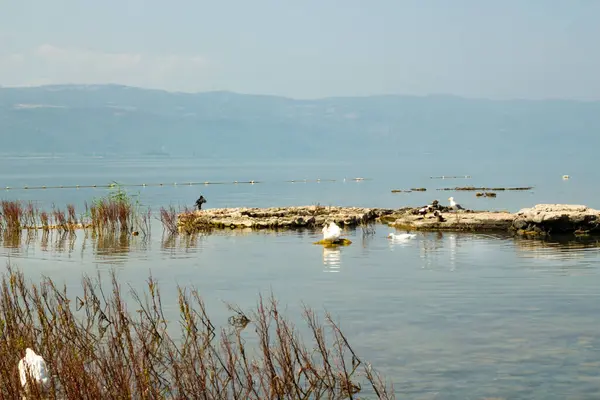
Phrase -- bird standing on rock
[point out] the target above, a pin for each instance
(201, 200)
(439, 216)
(454, 205)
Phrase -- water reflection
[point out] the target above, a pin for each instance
(11, 240)
(332, 259)
(558, 248)
(435, 249)
(438, 248)
(567, 255)
(188, 244)
(111, 247)
(64, 242)
(429, 247)
(452, 244)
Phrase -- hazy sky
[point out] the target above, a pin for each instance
(309, 48)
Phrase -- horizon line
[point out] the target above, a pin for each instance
(191, 93)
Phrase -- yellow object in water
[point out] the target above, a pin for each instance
(334, 243)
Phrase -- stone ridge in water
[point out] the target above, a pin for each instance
(557, 218)
(454, 221)
(542, 219)
(279, 217)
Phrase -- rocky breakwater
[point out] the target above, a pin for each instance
(451, 221)
(540, 220)
(546, 219)
(277, 217)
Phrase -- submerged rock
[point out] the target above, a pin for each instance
(334, 243)
(493, 189)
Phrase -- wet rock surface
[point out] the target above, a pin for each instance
(544, 219)
(280, 217)
(454, 221)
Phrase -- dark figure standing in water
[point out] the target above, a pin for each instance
(201, 200)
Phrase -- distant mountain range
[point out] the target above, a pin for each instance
(112, 119)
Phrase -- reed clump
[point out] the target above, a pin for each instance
(117, 211)
(113, 212)
(190, 221)
(12, 215)
(168, 218)
(97, 347)
(45, 220)
(30, 214)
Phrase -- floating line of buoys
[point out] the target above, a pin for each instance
(113, 185)
(451, 177)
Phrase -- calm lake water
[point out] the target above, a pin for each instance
(445, 316)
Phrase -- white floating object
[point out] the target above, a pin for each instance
(401, 236)
(565, 177)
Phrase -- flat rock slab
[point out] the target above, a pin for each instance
(541, 219)
(557, 218)
(455, 221)
(278, 217)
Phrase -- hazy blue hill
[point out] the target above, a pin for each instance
(120, 119)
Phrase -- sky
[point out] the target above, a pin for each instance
(530, 49)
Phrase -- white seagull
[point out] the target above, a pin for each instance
(401, 236)
(454, 205)
(331, 232)
(34, 366)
